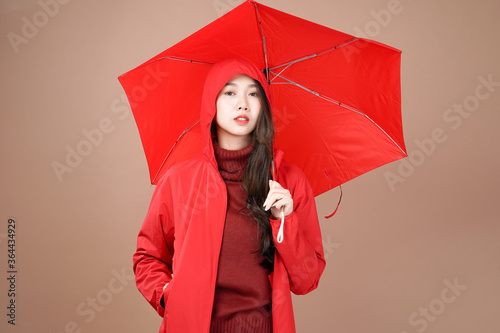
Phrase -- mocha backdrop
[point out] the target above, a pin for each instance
(414, 247)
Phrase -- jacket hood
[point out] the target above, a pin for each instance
(217, 77)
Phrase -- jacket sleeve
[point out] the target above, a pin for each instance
(152, 261)
(302, 248)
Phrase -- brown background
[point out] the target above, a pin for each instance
(393, 249)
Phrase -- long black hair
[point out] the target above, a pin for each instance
(257, 175)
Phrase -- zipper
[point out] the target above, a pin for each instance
(221, 231)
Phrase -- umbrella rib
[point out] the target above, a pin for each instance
(383, 131)
(279, 74)
(263, 42)
(185, 60)
(173, 58)
(172, 148)
(348, 107)
(288, 64)
(324, 142)
(317, 94)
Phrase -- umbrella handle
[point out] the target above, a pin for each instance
(279, 238)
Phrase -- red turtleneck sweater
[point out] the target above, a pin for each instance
(242, 301)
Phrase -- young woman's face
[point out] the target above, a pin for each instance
(238, 108)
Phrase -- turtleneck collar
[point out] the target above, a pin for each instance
(231, 162)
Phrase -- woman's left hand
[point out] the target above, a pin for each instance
(278, 198)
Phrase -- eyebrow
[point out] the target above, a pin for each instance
(253, 85)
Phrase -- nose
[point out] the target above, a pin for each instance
(242, 104)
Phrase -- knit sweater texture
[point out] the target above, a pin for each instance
(242, 299)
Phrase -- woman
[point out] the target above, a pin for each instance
(207, 258)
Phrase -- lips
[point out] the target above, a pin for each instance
(242, 119)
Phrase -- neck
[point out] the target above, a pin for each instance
(231, 142)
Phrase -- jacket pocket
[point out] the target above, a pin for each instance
(165, 297)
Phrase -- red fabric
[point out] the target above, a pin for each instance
(342, 119)
(242, 290)
(189, 205)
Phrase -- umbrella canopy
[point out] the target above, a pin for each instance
(336, 99)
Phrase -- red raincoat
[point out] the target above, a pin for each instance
(180, 240)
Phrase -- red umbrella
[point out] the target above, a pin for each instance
(336, 98)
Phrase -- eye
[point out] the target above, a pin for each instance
(229, 93)
(254, 94)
